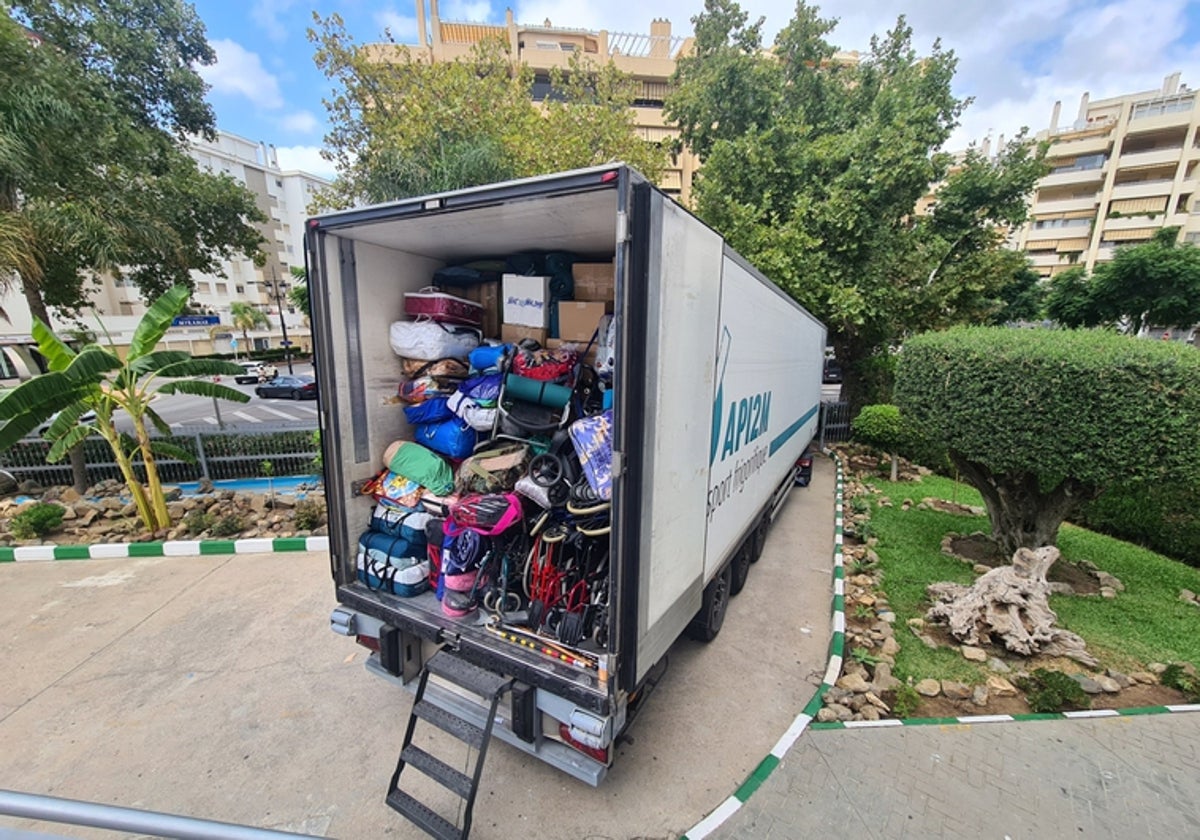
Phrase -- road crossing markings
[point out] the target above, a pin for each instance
(249, 418)
(277, 412)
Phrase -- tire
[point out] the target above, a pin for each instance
(707, 623)
(758, 540)
(259, 392)
(296, 395)
(740, 565)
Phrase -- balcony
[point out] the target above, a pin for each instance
(1044, 260)
(1075, 148)
(1064, 205)
(1133, 222)
(1154, 157)
(1072, 176)
(1144, 189)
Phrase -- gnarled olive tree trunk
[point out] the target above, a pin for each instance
(1023, 515)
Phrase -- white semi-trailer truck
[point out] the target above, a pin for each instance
(716, 394)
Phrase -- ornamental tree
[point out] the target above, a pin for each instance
(880, 427)
(1042, 421)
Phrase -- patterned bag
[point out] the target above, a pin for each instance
(544, 364)
(492, 470)
(592, 439)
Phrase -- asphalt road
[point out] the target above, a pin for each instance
(186, 412)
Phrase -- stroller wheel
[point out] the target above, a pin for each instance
(546, 470)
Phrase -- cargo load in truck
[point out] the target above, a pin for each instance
(528, 507)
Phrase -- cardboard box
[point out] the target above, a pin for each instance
(486, 295)
(594, 281)
(512, 333)
(578, 319)
(590, 357)
(526, 300)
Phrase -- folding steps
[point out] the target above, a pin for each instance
(491, 687)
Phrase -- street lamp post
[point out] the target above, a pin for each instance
(277, 288)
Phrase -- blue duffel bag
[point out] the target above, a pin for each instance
(395, 521)
(431, 411)
(388, 564)
(453, 438)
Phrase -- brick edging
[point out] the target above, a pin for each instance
(169, 548)
(837, 645)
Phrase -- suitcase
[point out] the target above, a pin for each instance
(444, 307)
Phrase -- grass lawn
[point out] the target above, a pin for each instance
(1145, 623)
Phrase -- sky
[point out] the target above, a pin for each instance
(1016, 57)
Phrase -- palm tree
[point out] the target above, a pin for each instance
(246, 318)
(96, 379)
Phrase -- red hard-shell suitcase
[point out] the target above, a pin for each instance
(443, 307)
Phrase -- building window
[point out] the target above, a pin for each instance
(241, 290)
(1082, 163)
(1042, 224)
(1193, 237)
(566, 46)
(1158, 107)
(547, 45)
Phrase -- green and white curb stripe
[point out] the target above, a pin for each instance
(970, 720)
(169, 548)
(836, 647)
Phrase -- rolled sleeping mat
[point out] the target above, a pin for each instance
(546, 394)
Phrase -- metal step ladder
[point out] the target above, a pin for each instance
(491, 687)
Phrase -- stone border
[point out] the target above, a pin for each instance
(978, 719)
(836, 648)
(170, 548)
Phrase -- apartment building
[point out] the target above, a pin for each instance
(649, 59)
(282, 196)
(1123, 169)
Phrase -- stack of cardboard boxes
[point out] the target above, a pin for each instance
(525, 306)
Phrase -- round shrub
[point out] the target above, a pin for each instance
(879, 426)
(37, 520)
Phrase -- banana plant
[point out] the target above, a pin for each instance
(97, 379)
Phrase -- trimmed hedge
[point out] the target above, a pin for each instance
(1163, 516)
(1090, 405)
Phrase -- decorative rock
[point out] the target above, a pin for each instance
(928, 641)
(979, 695)
(866, 599)
(981, 568)
(69, 496)
(1058, 587)
(1089, 685)
(1108, 684)
(998, 665)
(890, 646)
(928, 688)
(974, 654)
(1108, 592)
(883, 681)
(861, 580)
(869, 713)
(1143, 677)
(916, 623)
(69, 513)
(887, 616)
(826, 715)
(1106, 579)
(1187, 595)
(843, 713)
(853, 668)
(876, 702)
(1156, 668)
(836, 695)
(955, 690)
(1000, 687)
(855, 683)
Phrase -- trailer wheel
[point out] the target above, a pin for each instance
(741, 566)
(759, 539)
(707, 623)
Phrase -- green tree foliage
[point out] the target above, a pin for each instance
(1041, 421)
(93, 175)
(880, 427)
(97, 379)
(404, 126)
(1154, 284)
(247, 317)
(813, 167)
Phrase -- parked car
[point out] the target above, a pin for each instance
(832, 374)
(250, 373)
(289, 387)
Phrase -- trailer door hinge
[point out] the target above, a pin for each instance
(622, 227)
(618, 464)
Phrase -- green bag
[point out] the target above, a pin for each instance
(423, 466)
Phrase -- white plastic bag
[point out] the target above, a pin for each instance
(428, 340)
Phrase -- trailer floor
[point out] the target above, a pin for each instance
(211, 686)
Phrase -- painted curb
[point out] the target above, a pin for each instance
(837, 644)
(974, 720)
(170, 548)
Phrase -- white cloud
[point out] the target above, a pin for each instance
(267, 14)
(299, 122)
(403, 28)
(474, 11)
(306, 159)
(240, 72)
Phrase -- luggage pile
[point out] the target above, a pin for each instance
(496, 508)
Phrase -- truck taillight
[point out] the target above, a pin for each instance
(369, 642)
(598, 753)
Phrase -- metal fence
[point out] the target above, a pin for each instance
(834, 426)
(217, 455)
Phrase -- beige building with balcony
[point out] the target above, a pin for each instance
(1124, 169)
(649, 59)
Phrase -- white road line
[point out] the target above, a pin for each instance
(277, 412)
(249, 418)
(309, 409)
